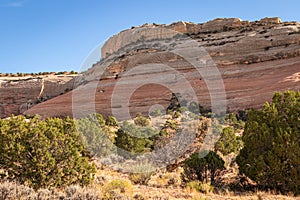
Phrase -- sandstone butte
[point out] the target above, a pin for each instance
(254, 59)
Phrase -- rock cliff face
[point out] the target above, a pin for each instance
(20, 94)
(255, 59)
(229, 41)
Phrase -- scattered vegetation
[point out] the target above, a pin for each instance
(20, 74)
(13, 191)
(52, 158)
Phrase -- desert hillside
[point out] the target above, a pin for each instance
(166, 113)
(19, 94)
(254, 59)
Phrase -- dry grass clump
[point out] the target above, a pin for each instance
(196, 186)
(122, 189)
(141, 172)
(117, 189)
(13, 191)
(167, 179)
(75, 192)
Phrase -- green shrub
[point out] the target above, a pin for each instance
(73, 72)
(271, 144)
(140, 178)
(95, 135)
(166, 134)
(98, 118)
(194, 107)
(182, 109)
(162, 139)
(43, 154)
(172, 124)
(231, 120)
(228, 142)
(242, 115)
(111, 121)
(141, 121)
(174, 103)
(165, 179)
(117, 189)
(134, 139)
(176, 114)
(155, 113)
(198, 168)
(203, 125)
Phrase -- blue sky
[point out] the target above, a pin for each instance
(57, 35)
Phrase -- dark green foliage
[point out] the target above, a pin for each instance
(242, 115)
(228, 142)
(97, 137)
(134, 139)
(231, 120)
(44, 153)
(171, 124)
(174, 102)
(100, 120)
(162, 139)
(140, 120)
(202, 168)
(271, 153)
(111, 121)
(155, 113)
(176, 114)
(203, 126)
(166, 134)
(73, 72)
(182, 109)
(194, 107)
(183, 103)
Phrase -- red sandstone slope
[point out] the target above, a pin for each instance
(254, 59)
(18, 94)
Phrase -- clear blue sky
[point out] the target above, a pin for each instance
(57, 35)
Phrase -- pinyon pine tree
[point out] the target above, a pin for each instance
(43, 153)
(271, 153)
